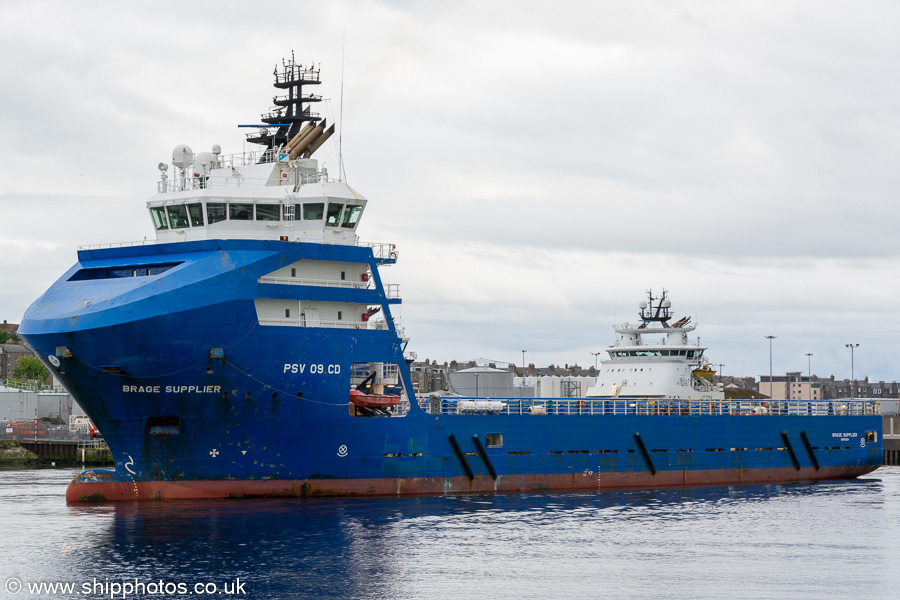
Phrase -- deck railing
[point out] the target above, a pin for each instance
(310, 322)
(646, 406)
(313, 282)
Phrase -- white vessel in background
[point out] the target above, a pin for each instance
(667, 365)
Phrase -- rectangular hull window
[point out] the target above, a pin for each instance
(240, 212)
(159, 218)
(196, 213)
(334, 214)
(122, 271)
(351, 216)
(313, 211)
(268, 212)
(298, 212)
(178, 218)
(215, 212)
(494, 440)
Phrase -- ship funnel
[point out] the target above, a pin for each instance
(319, 141)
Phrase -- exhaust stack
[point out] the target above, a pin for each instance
(318, 142)
(307, 139)
(306, 128)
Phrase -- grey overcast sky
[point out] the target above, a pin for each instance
(539, 165)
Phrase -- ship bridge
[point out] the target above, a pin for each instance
(277, 193)
(250, 196)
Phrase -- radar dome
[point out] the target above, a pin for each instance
(642, 305)
(182, 156)
(666, 303)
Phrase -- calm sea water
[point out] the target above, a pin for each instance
(828, 540)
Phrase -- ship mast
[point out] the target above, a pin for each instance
(289, 109)
(655, 314)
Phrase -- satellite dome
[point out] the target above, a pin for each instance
(182, 156)
(666, 303)
(642, 305)
(203, 162)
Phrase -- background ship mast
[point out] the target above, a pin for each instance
(655, 314)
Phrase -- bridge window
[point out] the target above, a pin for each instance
(195, 211)
(313, 211)
(334, 214)
(240, 212)
(351, 216)
(159, 218)
(215, 212)
(268, 212)
(178, 217)
(298, 212)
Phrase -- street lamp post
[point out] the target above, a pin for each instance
(852, 383)
(809, 371)
(523, 362)
(771, 384)
(596, 354)
(721, 368)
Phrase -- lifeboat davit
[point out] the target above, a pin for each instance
(363, 400)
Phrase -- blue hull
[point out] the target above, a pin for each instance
(196, 398)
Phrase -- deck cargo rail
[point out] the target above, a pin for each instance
(652, 406)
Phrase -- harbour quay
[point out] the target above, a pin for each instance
(892, 440)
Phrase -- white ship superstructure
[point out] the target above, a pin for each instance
(654, 359)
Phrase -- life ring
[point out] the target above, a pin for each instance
(393, 255)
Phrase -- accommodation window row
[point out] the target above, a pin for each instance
(633, 353)
(182, 216)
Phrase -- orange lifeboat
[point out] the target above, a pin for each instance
(363, 400)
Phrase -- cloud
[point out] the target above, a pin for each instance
(540, 166)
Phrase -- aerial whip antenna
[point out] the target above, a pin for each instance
(341, 116)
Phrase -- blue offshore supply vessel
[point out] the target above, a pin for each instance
(250, 351)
